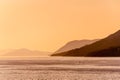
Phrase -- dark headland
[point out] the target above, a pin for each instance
(107, 47)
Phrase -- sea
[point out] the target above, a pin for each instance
(60, 68)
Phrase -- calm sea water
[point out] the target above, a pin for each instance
(59, 68)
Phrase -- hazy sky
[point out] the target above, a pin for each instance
(48, 24)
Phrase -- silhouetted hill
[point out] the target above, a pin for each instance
(75, 44)
(111, 41)
(110, 52)
(23, 52)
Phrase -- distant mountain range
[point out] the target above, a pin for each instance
(99, 48)
(23, 52)
(75, 44)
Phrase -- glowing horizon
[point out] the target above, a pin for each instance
(46, 25)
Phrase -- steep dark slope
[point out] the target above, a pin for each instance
(110, 52)
(110, 41)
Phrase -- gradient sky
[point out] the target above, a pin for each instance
(46, 25)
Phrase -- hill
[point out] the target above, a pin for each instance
(112, 40)
(75, 44)
(23, 52)
(110, 52)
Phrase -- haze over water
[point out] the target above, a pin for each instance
(46, 25)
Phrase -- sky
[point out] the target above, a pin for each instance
(46, 25)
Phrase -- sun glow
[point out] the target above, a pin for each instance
(48, 24)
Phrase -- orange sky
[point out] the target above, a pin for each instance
(48, 24)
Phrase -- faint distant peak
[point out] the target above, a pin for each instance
(23, 52)
(75, 44)
(82, 41)
(24, 49)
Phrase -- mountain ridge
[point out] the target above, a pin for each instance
(23, 52)
(112, 40)
(75, 44)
